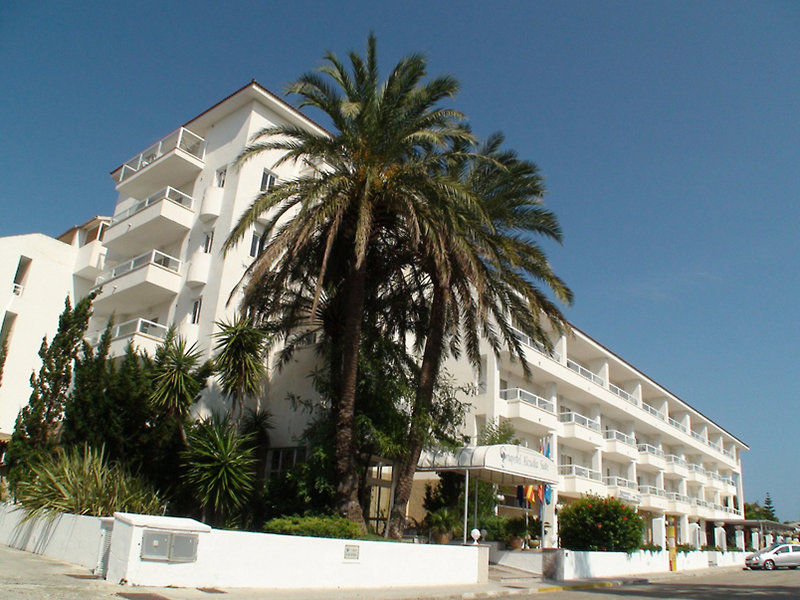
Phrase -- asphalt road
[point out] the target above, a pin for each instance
(728, 585)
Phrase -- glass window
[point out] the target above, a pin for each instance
(782, 550)
(255, 244)
(208, 242)
(196, 311)
(222, 174)
(267, 181)
(795, 548)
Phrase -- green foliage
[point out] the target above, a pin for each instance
(35, 430)
(497, 432)
(685, 548)
(315, 526)
(651, 548)
(80, 481)
(756, 511)
(517, 527)
(495, 527)
(219, 466)
(711, 548)
(595, 523)
(3, 356)
(442, 521)
(239, 360)
(769, 508)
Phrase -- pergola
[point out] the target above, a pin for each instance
(503, 464)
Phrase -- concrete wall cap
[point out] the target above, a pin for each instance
(158, 522)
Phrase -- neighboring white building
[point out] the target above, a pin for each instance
(613, 430)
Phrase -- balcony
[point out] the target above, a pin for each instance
(624, 489)
(176, 159)
(526, 340)
(703, 508)
(17, 289)
(90, 259)
(618, 391)
(650, 456)
(147, 280)
(653, 411)
(586, 373)
(678, 503)
(160, 219)
(697, 474)
(146, 336)
(585, 432)
(620, 445)
(676, 466)
(211, 206)
(653, 498)
(530, 413)
(577, 480)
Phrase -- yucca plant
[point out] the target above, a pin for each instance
(220, 466)
(80, 481)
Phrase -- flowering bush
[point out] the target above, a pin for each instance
(604, 524)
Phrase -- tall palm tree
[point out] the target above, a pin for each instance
(374, 168)
(239, 361)
(484, 270)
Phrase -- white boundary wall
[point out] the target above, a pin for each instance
(74, 539)
(242, 559)
(565, 565)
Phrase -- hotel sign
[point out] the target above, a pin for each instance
(502, 463)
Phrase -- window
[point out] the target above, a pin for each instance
(782, 550)
(795, 548)
(208, 242)
(222, 174)
(267, 181)
(284, 459)
(196, 311)
(255, 244)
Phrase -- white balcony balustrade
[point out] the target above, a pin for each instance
(678, 425)
(573, 417)
(618, 391)
(654, 411)
(178, 157)
(526, 396)
(17, 289)
(650, 458)
(650, 449)
(652, 490)
(526, 340)
(586, 373)
(620, 446)
(579, 471)
(620, 482)
(528, 412)
(162, 218)
(613, 434)
(143, 334)
(577, 480)
(584, 432)
(147, 280)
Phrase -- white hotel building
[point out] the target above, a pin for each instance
(613, 430)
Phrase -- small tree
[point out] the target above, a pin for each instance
(595, 523)
(240, 361)
(769, 508)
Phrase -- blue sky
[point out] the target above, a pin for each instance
(669, 134)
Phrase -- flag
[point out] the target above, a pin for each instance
(547, 449)
(540, 492)
(548, 493)
(530, 494)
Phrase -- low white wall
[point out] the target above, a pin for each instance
(528, 560)
(583, 565)
(688, 561)
(74, 539)
(242, 559)
(730, 559)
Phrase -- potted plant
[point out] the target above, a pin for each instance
(441, 523)
(516, 531)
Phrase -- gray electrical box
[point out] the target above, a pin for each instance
(169, 546)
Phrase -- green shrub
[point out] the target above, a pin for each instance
(685, 548)
(711, 548)
(651, 548)
(595, 523)
(315, 526)
(79, 481)
(442, 520)
(495, 527)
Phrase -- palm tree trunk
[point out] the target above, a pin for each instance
(429, 371)
(346, 472)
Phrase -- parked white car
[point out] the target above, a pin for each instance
(774, 557)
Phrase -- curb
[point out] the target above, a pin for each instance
(539, 590)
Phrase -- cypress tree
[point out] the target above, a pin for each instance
(769, 508)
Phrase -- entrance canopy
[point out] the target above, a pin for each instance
(504, 464)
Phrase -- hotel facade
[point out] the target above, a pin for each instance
(156, 263)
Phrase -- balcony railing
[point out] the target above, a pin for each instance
(143, 326)
(579, 471)
(154, 257)
(678, 425)
(697, 469)
(572, 417)
(729, 453)
(649, 449)
(697, 436)
(527, 397)
(623, 394)
(654, 411)
(700, 502)
(672, 458)
(17, 289)
(652, 490)
(584, 372)
(613, 434)
(182, 139)
(620, 482)
(526, 340)
(168, 193)
(677, 497)
(716, 447)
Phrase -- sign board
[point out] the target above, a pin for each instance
(351, 552)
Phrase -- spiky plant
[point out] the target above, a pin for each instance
(81, 481)
(219, 466)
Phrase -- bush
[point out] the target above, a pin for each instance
(685, 548)
(711, 548)
(315, 526)
(495, 527)
(442, 521)
(79, 481)
(604, 524)
(651, 548)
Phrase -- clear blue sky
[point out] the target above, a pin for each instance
(668, 132)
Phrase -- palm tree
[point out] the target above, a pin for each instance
(239, 362)
(176, 381)
(483, 269)
(373, 170)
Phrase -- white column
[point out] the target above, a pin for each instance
(740, 538)
(599, 366)
(560, 346)
(492, 379)
(720, 539)
(702, 537)
(754, 537)
(694, 535)
(659, 525)
(684, 534)
(550, 517)
(768, 540)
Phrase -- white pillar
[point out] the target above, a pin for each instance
(756, 543)
(740, 538)
(599, 366)
(768, 540)
(560, 346)
(684, 535)
(702, 533)
(659, 525)
(550, 517)
(694, 535)
(720, 539)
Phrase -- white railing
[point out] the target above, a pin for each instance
(697, 436)
(620, 482)
(572, 417)
(677, 497)
(699, 502)
(17, 289)
(584, 372)
(527, 397)
(716, 447)
(132, 327)
(678, 425)
(579, 471)
(526, 340)
(650, 449)
(154, 257)
(622, 394)
(182, 139)
(168, 193)
(672, 458)
(697, 469)
(652, 490)
(729, 453)
(613, 434)
(654, 411)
